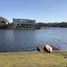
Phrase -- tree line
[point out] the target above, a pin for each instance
(62, 24)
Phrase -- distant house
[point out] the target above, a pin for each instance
(23, 22)
(3, 22)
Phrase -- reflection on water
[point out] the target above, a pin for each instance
(26, 40)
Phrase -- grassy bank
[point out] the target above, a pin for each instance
(33, 59)
(26, 28)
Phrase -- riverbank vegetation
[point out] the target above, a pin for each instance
(33, 59)
(25, 27)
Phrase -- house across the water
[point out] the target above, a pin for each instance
(23, 22)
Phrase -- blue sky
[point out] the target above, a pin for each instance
(40, 10)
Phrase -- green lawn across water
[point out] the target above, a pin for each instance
(33, 59)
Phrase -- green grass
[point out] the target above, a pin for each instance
(33, 59)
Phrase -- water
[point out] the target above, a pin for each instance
(27, 40)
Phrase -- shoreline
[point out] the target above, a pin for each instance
(31, 52)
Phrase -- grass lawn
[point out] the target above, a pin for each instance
(33, 59)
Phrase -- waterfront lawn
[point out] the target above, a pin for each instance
(33, 59)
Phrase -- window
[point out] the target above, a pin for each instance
(17, 24)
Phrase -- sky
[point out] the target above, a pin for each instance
(39, 10)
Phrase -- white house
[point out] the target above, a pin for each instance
(23, 22)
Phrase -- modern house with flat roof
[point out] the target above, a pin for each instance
(23, 22)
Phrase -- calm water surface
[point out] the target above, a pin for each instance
(27, 40)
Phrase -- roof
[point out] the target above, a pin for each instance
(3, 19)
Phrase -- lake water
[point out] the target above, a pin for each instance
(27, 40)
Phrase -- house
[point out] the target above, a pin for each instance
(23, 22)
